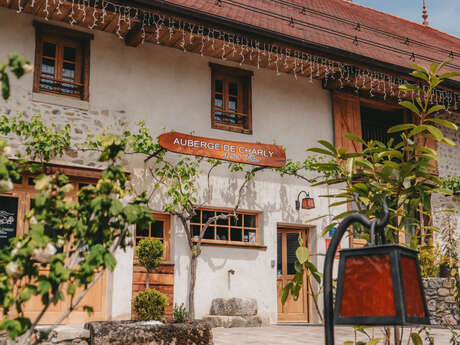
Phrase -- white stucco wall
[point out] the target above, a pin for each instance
(170, 89)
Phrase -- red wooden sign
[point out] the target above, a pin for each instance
(233, 151)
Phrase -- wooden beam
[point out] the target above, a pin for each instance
(134, 36)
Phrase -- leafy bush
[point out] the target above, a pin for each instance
(150, 305)
(180, 313)
(149, 251)
(430, 257)
(452, 183)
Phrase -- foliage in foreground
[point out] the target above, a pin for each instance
(402, 170)
(74, 240)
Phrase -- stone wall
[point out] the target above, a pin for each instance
(440, 302)
(83, 123)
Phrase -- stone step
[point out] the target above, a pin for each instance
(232, 321)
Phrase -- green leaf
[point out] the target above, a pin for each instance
(374, 341)
(132, 213)
(437, 134)
(419, 67)
(71, 289)
(286, 291)
(449, 75)
(354, 137)
(88, 309)
(445, 123)
(435, 108)
(420, 75)
(416, 339)
(328, 145)
(302, 254)
(329, 227)
(321, 151)
(402, 127)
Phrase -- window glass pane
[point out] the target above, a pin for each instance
(219, 86)
(196, 230)
(48, 67)
(142, 231)
(279, 264)
(250, 236)
(157, 229)
(236, 235)
(196, 218)
(69, 53)
(232, 104)
(218, 116)
(222, 234)
(233, 89)
(68, 71)
(209, 234)
(238, 221)
(292, 243)
(207, 215)
(250, 221)
(218, 101)
(49, 49)
(222, 221)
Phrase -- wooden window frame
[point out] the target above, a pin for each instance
(166, 218)
(61, 36)
(243, 79)
(229, 242)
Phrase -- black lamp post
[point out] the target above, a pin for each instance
(377, 285)
(307, 203)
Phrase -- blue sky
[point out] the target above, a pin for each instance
(443, 14)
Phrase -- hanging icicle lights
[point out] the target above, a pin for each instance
(248, 50)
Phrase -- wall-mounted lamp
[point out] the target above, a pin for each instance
(307, 203)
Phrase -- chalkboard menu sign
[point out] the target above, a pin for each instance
(8, 219)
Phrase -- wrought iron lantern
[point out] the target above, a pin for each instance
(307, 203)
(377, 285)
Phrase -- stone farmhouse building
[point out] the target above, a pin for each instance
(289, 72)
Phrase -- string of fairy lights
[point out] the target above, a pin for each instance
(240, 48)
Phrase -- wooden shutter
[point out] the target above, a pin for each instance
(347, 119)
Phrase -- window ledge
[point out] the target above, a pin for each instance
(231, 244)
(60, 100)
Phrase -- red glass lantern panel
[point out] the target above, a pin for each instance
(308, 203)
(380, 285)
(412, 290)
(368, 287)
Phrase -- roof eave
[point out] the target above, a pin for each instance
(273, 35)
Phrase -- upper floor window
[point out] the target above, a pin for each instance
(61, 62)
(231, 99)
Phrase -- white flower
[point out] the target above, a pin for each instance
(13, 269)
(5, 186)
(33, 220)
(44, 255)
(28, 68)
(8, 151)
(60, 243)
(14, 251)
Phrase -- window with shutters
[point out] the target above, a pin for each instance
(61, 62)
(231, 99)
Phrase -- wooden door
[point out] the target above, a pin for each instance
(24, 193)
(287, 244)
(163, 278)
